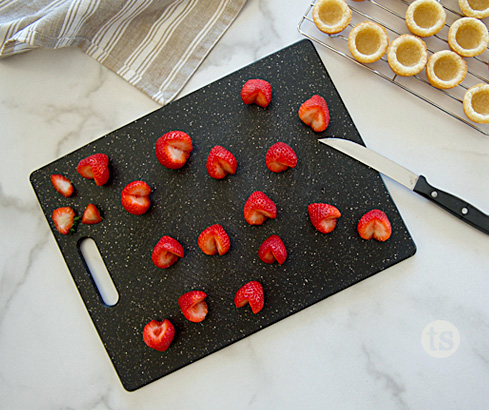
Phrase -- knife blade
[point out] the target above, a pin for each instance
(417, 183)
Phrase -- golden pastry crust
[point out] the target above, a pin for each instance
(446, 69)
(425, 18)
(368, 42)
(468, 37)
(407, 55)
(476, 103)
(474, 8)
(331, 16)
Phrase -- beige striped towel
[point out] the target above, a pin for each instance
(156, 45)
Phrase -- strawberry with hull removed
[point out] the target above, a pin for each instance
(280, 157)
(375, 225)
(315, 113)
(257, 91)
(135, 197)
(258, 208)
(252, 294)
(173, 149)
(323, 216)
(166, 252)
(159, 335)
(95, 167)
(273, 250)
(214, 240)
(193, 305)
(221, 162)
(62, 184)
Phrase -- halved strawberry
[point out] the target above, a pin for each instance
(221, 162)
(214, 240)
(159, 335)
(257, 91)
(273, 249)
(166, 252)
(95, 167)
(280, 156)
(315, 113)
(375, 224)
(323, 216)
(193, 305)
(62, 184)
(173, 149)
(251, 293)
(258, 208)
(91, 215)
(135, 197)
(64, 219)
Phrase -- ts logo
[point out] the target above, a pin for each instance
(440, 339)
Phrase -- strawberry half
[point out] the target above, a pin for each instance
(166, 252)
(279, 157)
(173, 149)
(64, 219)
(135, 197)
(315, 113)
(193, 305)
(214, 240)
(159, 335)
(251, 293)
(91, 215)
(257, 91)
(62, 184)
(95, 167)
(258, 208)
(323, 216)
(375, 224)
(273, 249)
(221, 162)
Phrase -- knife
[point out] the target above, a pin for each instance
(417, 183)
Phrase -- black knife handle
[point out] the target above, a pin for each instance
(454, 205)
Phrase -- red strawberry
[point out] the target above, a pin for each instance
(375, 224)
(258, 208)
(135, 197)
(95, 167)
(214, 240)
(323, 216)
(166, 252)
(193, 305)
(221, 162)
(251, 293)
(159, 335)
(315, 113)
(273, 249)
(257, 91)
(91, 215)
(62, 184)
(173, 149)
(64, 219)
(280, 157)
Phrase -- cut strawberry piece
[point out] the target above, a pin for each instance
(375, 224)
(214, 240)
(193, 305)
(221, 162)
(273, 249)
(279, 157)
(173, 149)
(159, 335)
(257, 91)
(135, 197)
(95, 167)
(315, 113)
(62, 184)
(166, 252)
(323, 216)
(251, 293)
(258, 208)
(64, 220)
(91, 215)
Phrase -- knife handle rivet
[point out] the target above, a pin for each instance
(434, 194)
(465, 211)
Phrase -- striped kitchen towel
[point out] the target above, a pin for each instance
(156, 45)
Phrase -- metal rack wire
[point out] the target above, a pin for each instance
(390, 14)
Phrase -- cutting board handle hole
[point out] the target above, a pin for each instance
(105, 286)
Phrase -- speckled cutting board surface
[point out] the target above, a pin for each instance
(186, 201)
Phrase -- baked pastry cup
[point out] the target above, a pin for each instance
(407, 55)
(468, 37)
(474, 8)
(445, 69)
(331, 16)
(476, 103)
(368, 42)
(425, 18)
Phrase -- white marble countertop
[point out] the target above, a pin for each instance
(361, 348)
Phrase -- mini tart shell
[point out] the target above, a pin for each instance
(368, 42)
(468, 37)
(425, 18)
(481, 12)
(407, 55)
(476, 103)
(331, 16)
(445, 69)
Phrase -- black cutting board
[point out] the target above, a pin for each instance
(186, 201)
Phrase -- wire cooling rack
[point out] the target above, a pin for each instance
(391, 15)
